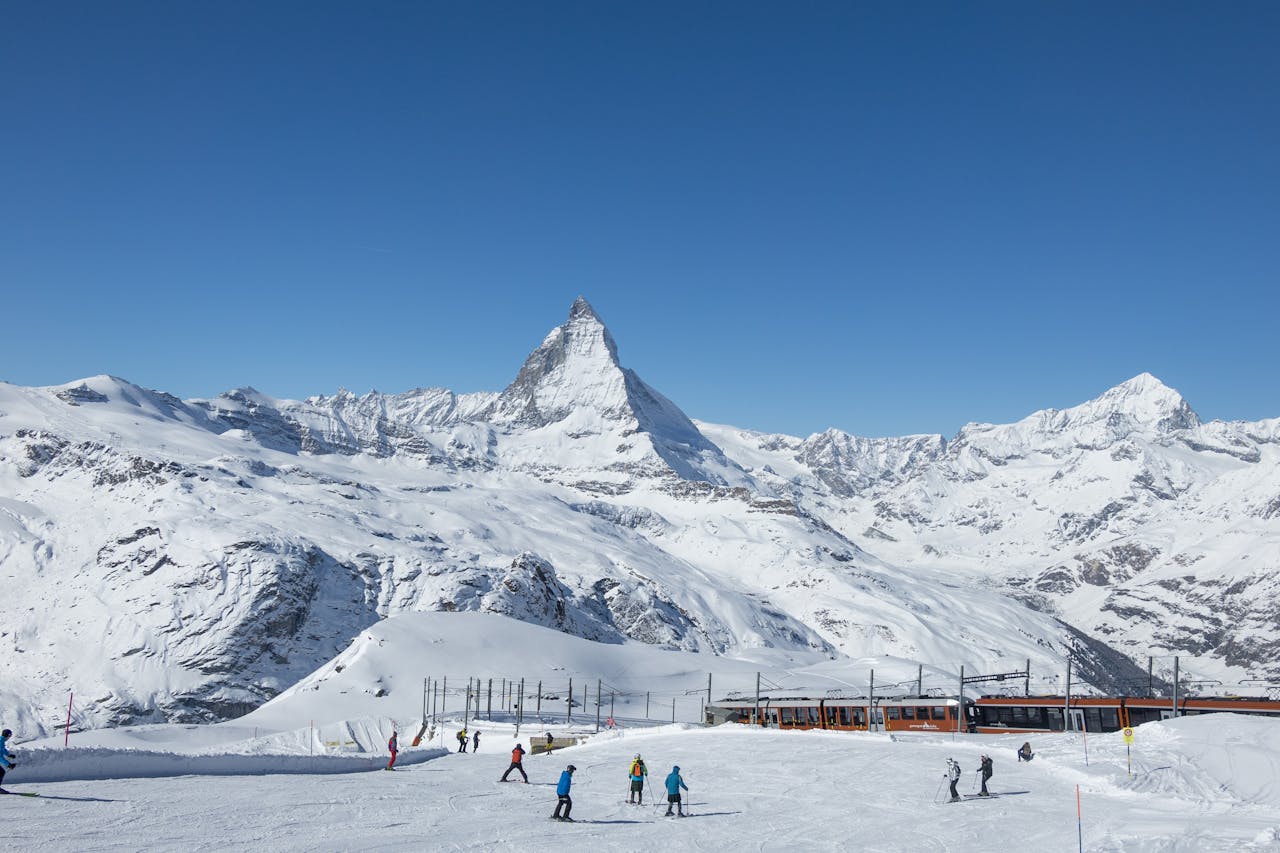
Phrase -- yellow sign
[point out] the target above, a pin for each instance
(1128, 736)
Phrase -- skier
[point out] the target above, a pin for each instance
(562, 791)
(393, 746)
(6, 758)
(953, 774)
(475, 741)
(637, 774)
(517, 756)
(985, 767)
(674, 784)
(1025, 754)
(462, 740)
(550, 741)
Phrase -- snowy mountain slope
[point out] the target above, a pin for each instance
(1125, 515)
(190, 560)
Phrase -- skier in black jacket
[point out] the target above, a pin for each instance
(985, 767)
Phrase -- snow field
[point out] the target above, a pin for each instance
(749, 790)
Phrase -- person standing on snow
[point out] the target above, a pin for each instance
(636, 774)
(475, 741)
(985, 767)
(6, 758)
(393, 746)
(517, 757)
(562, 791)
(674, 784)
(953, 774)
(462, 740)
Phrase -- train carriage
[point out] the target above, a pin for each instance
(847, 713)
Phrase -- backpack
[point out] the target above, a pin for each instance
(637, 769)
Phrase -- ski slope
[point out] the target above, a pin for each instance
(1199, 784)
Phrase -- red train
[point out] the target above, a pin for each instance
(986, 715)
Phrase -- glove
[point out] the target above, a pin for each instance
(13, 765)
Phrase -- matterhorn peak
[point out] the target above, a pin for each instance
(576, 372)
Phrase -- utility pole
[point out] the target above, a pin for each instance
(568, 714)
(444, 695)
(871, 703)
(520, 708)
(708, 688)
(960, 704)
(646, 704)
(489, 706)
(759, 722)
(425, 682)
(597, 705)
(539, 698)
(1026, 691)
(920, 679)
(1175, 686)
(1066, 707)
(673, 709)
(1150, 676)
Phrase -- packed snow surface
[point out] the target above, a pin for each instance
(1197, 784)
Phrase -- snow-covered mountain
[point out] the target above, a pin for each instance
(1125, 516)
(187, 560)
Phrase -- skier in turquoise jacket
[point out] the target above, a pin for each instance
(6, 759)
(674, 784)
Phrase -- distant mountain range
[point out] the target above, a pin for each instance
(188, 560)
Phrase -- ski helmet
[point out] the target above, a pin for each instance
(676, 769)
(571, 768)
(7, 733)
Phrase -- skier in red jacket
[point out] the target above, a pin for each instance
(393, 746)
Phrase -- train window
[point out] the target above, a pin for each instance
(1004, 715)
(1055, 719)
(892, 712)
(773, 717)
(786, 716)
(938, 712)
(1020, 716)
(908, 713)
(813, 716)
(859, 717)
(845, 718)
(1110, 720)
(1092, 720)
(879, 716)
(922, 713)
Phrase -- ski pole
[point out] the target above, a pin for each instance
(975, 781)
(939, 790)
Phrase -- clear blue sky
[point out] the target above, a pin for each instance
(883, 217)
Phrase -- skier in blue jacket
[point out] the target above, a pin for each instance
(674, 784)
(562, 791)
(6, 759)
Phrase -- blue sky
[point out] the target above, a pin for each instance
(888, 218)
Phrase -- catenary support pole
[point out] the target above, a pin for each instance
(960, 704)
(759, 722)
(708, 688)
(1151, 662)
(919, 679)
(597, 705)
(1066, 699)
(1026, 690)
(673, 709)
(489, 705)
(646, 704)
(568, 714)
(520, 708)
(66, 733)
(871, 702)
(1175, 686)
(539, 700)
